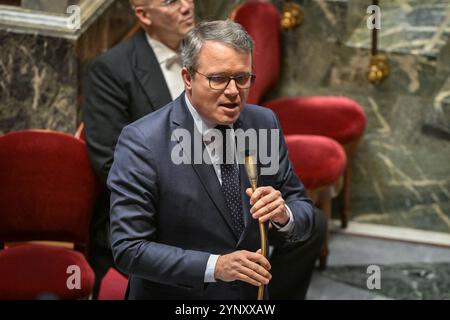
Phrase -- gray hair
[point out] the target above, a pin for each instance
(226, 32)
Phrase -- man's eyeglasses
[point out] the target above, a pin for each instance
(243, 81)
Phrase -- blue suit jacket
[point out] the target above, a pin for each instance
(167, 219)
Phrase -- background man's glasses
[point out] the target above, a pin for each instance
(243, 81)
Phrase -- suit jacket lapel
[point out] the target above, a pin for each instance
(148, 72)
(181, 118)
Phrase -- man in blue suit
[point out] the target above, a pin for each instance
(190, 230)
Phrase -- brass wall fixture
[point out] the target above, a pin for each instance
(378, 68)
(379, 63)
(292, 15)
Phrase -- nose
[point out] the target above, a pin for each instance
(232, 88)
(186, 5)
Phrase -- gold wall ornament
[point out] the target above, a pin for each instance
(379, 63)
(292, 15)
(378, 68)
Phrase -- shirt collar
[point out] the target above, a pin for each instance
(203, 126)
(162, 52)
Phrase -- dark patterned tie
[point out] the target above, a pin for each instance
(231, 187)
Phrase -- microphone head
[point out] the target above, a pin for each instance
(251, 168)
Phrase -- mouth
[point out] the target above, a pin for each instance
(230, 105)
(189, 20)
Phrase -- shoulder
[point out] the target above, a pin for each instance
(260, 115)
(256, 110)
(154, 124)
(118, 58)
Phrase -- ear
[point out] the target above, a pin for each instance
(187, 79)
(143, 16)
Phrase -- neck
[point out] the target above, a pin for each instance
(172, 43)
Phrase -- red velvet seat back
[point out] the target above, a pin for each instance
(47, 187)
(336, 117)
(317, 160)
(262, 21)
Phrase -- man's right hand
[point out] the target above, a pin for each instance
(245, 266)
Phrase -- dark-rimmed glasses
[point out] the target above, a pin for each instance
(218, 82)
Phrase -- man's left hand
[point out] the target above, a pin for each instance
(267, 203)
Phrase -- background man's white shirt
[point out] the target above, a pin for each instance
(171, 65)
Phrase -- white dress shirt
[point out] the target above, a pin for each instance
(170, 63)
(203, 126)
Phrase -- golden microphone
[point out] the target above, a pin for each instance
(252, 173)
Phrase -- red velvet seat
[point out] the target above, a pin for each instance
(319, 162)
(338, 118)
(113, 286)
(48, 192)
(29, 271)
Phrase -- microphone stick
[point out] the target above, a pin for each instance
(252, 173)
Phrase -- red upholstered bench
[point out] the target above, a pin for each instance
(319, 162)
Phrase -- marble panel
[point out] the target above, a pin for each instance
(413, 27)
(38, 83)
(42, 67)
(437, 120)
(401, 175)
(418, 281)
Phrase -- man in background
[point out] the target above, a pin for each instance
(136, 77)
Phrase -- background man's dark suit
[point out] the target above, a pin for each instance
(166, 219)
(123, 84)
